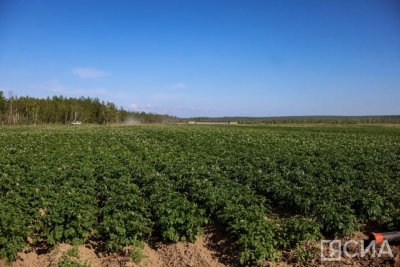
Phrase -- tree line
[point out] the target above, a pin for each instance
(27, 110)
(391, 119)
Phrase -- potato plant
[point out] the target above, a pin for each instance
(271, 188)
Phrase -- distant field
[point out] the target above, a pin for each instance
(270, 187)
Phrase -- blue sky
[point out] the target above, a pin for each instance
(207, 58)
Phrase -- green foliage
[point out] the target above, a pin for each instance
(64, 110)
(294, 230)
(120, 185)
(124, 214)
(71, 259)
(136, 252)
(73, 252)
(304, 253)
(13, 231)
(177, 219)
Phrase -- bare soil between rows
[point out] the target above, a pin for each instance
(213, 249)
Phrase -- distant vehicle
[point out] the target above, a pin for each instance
(76, 123)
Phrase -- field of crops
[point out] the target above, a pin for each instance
(118, 186)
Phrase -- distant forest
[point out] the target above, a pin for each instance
(62, 110)
(27, 110)
(306, 119)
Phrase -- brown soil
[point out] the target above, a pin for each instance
(200, 253)
(213, 249)
(180, 254)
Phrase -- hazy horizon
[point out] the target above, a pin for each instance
(207, 58)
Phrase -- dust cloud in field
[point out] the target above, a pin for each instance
(131, 120)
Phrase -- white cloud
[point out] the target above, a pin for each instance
(90, 73)
(133, 106)
(137, 107)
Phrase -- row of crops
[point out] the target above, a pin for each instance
(117, 186)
